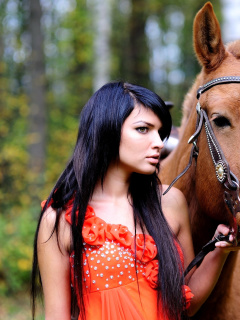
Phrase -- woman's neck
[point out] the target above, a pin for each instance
(115, 186)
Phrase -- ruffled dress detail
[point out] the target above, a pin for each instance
(113, 292)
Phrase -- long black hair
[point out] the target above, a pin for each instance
(97, 146)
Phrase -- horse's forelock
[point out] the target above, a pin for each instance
(234, 48)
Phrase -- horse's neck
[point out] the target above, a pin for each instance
(202, 226)
(199, 220)
(178, 159)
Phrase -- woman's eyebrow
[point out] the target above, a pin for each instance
(141, 121)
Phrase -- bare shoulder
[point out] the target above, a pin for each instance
(54, 266)
(47, 229)
(175, 208)
(49, 217)
(48, 222)
(173, 198)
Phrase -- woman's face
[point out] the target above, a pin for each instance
(140, 144)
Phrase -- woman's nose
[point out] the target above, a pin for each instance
(157, 142)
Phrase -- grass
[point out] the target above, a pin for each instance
(17, 307)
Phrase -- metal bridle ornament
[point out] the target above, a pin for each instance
(224, 175)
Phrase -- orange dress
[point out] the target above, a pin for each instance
(113, 292)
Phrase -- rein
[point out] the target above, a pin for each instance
(222, 170)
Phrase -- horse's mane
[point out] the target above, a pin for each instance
(190, 98)
(188, 103)
(234, 48)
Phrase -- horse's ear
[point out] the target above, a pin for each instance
(207, 38)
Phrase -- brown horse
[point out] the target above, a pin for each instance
(200, 186)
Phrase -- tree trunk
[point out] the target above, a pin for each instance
(138, 63)
(37, 94)
(102, 52)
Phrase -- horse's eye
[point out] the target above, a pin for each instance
(221, 122)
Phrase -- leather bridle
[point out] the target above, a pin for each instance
(223, 173)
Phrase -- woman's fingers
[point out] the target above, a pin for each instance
(231, 244)
(222, 229)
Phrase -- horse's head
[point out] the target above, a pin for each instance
(222, 106)
(221, 103)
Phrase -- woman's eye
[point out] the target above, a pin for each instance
(142, 129)
(221, 122)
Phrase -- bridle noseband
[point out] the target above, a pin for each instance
(224, 175)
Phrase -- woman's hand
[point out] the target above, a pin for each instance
(231, 244)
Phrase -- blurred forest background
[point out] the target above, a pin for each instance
(53, 56)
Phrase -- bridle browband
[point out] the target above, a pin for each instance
(214, 82)
(224, 175)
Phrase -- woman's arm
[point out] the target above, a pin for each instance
(203, 279)
(54, 267)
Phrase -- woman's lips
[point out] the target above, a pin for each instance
(154, 159)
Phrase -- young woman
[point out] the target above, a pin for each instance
(107, 242)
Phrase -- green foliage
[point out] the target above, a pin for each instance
(16, 234)
(69, 87)
(13, 153)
